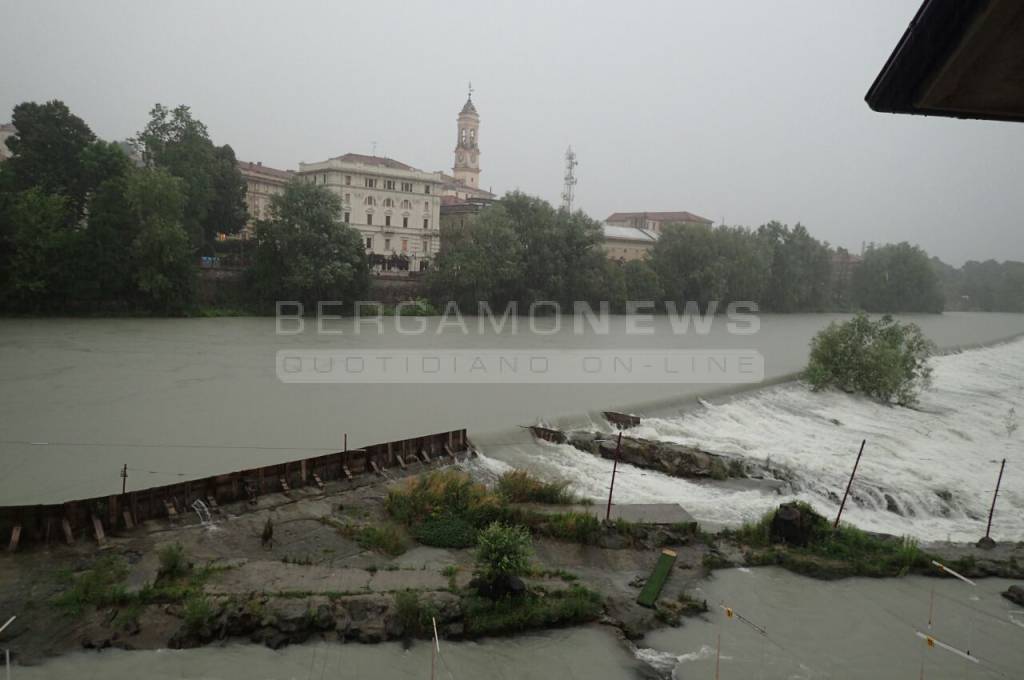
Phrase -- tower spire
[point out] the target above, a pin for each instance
(470, 95)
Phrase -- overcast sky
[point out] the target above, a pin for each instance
(742, 111)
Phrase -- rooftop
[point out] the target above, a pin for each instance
(469, 108)
(616, 233)
(679, 216)
(246, 167)
(377, 161)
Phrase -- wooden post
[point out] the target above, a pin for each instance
(124, 478)
(849, 484)
(615, 467)
(992, 510)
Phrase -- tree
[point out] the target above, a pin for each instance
(213, 186)
(883, 359)
(39, 273)
(897, 278)
(304, 252)
(800, 269)
(49, 152)
(502, 552)
(161, 259)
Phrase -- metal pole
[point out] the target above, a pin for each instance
(615, 467)
(849, 483)
(124, 478)
(7, 662)
(992, 510)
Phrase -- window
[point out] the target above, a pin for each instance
(348, 180)
(426, 206)
(369, 218)
(370, 200)
(405, 221)
(370, 182)
(387, 220)
(407, 204)
(405, 245)
(406, 186)
(369, 243)
(426, 223)
(426, 246)
(426, 188)
(387, 244)
(348, 198)
(324, 179)
(389, 184)
(348, 218)
(388, 203)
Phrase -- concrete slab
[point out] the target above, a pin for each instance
(646, 513)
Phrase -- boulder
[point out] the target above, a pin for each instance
(793, 525)
(1015, 594)
(676, 460)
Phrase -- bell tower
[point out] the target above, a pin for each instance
(467, 150)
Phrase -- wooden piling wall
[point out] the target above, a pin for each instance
(72, 519)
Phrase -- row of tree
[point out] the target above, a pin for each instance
(84, 228)
(521, 249)
(988, 286)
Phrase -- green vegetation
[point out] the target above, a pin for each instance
(884, 359)
(988, 286)
(518, 486)
(445, 532)
(896, 278)
(100, 586)
(172, 561)
(198, 612)
(502, 551)
(305, 252)
(831, 553)
(413, 614)
(531, 611)
(383, 538)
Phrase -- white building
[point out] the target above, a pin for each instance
(396, 207)
(6, 130)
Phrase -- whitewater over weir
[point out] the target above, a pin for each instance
(927, 472)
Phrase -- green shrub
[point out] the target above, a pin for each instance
(885, 359)
(198, 612)
(173, 562)
(503, 551)
(385, 539)
(446, 493)
(532, 611)
(519, 486)
(446, 532)
(413, 614)
(579, 527)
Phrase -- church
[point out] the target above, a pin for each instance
(396, 208)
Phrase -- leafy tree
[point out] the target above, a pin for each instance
(800, 266)
(502, 551)
(163, 267)
(49, 152)
(214, 190)
(897, 278)
(38, 275)
(304, 252)
(883, 359)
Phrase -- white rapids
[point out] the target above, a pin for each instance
(927, 472)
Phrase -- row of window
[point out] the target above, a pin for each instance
(387, 220)
(388, 184)
(404, 245)
(387, 203)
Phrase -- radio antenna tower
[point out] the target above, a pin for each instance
(569, 191)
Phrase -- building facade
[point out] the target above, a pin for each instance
(655, 222)
(261, 184)
(627, 243)
(395, 207)
(6, 130)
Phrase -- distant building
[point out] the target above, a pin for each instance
(6, 130)
(844, 264)
(655, 222)
(261, 183)
(464, 182)
(459, 212)
(396, 207)
(631, 235)
(627, 243)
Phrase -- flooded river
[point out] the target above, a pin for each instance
(180, 398)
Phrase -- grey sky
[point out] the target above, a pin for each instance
(745, 111)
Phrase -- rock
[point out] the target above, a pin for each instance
(637, 582)
(370, 617)
(677, 460)
(1015, 594)
(986, 543)
(506, 586)
(447, 605)
(891, 505)
(792, 525)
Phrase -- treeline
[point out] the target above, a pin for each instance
(522, 249)
(987, 286)
(85, 229)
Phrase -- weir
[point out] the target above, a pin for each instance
(108, 514)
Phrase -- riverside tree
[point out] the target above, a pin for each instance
(884, 359)
(897, 278)
(305, 252)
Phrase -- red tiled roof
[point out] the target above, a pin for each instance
(246, 167)
(379, 161)
(681, 216)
